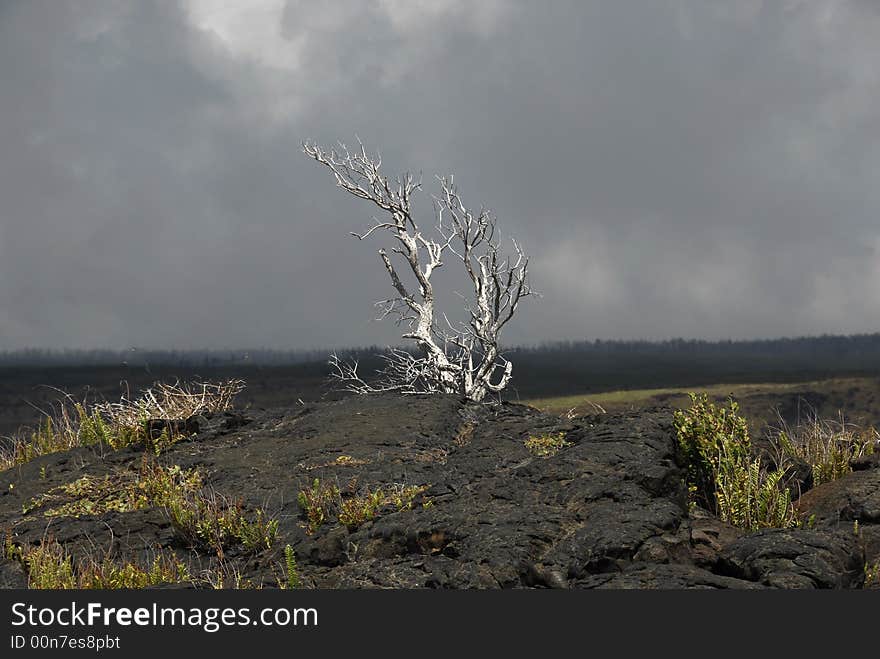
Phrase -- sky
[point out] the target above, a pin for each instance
(674, 168)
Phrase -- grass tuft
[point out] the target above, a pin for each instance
(354, 511)
(208, 520)
(318, 502)
(828, 446)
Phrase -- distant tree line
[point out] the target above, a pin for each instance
(563, 367)
(826, 344)
(135, 357)
(542, 370)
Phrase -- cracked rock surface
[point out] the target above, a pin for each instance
(609, 510)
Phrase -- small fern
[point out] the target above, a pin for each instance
(290, 569)
(752, 498)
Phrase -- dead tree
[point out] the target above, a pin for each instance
(452, 357)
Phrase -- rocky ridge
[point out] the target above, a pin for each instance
(608, 510)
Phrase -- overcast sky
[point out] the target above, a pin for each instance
(675, 168)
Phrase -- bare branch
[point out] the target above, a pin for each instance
(461, 358)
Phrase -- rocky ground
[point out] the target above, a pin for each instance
(609, 510)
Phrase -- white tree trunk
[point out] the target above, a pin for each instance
(455, 358)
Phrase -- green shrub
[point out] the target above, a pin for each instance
(722, 476)
(707, 433)
(256, 534)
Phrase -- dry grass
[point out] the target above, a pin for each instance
(58, 431)
(71, 424)
(828, 446)
(172, 401)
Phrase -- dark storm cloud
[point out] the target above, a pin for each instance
(675, 168)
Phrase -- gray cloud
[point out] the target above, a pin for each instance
(676, 168)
